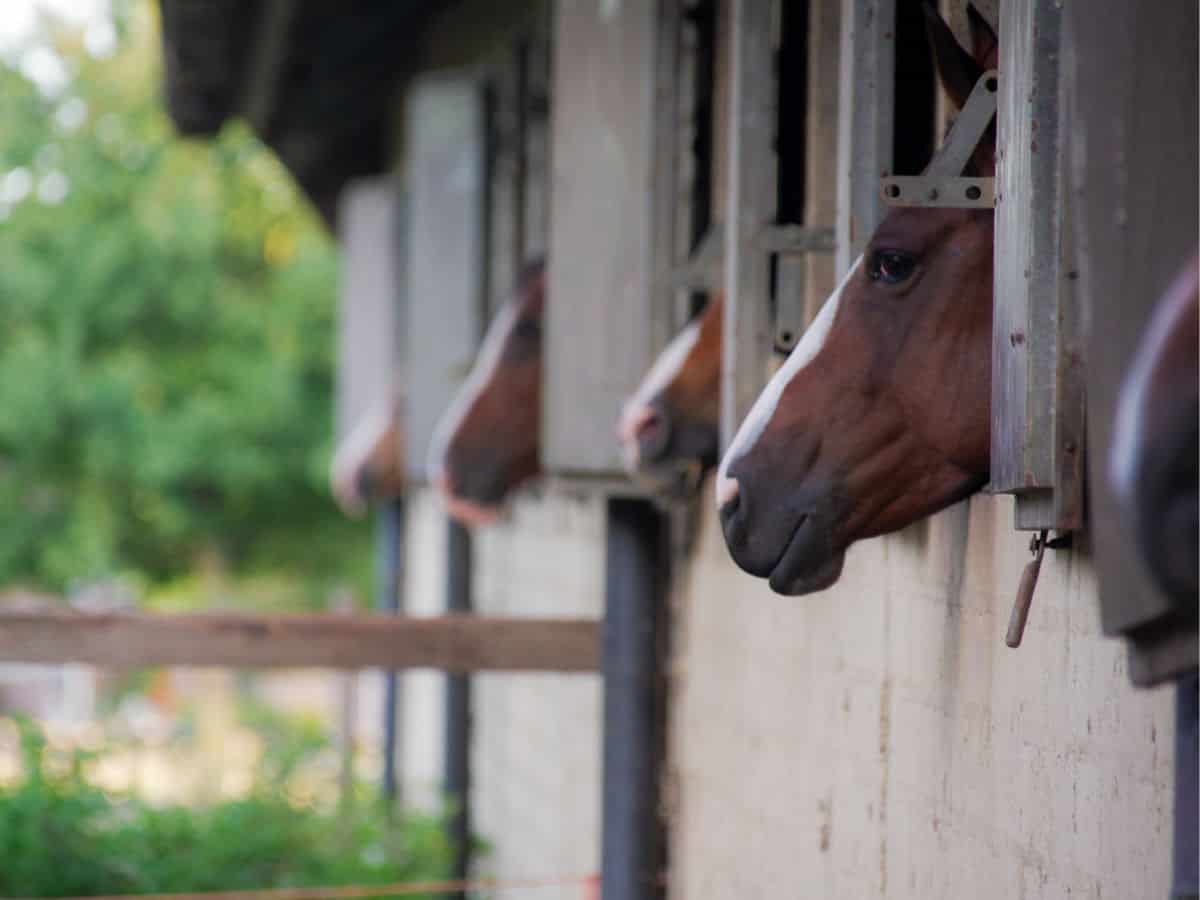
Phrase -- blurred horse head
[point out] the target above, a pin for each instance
(369, 465)
(1156, 439)
(669, 427)
(488, 442)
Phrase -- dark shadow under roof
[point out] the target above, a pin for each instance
(315, 79)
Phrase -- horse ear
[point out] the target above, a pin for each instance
(985, 46)
(957, 69)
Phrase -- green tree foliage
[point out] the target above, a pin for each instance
(168, 315)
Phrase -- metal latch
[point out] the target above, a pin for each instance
(1028, 583)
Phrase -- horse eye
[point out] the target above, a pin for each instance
(891, 266)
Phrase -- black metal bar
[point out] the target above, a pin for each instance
(457, 772)
(390, 536)
(1185, 880)
(636, 577)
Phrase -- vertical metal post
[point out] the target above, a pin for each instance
(390, 536)
(457, 768)
(1185, 881)
(750, 205)
(865, 121)
(635, 586)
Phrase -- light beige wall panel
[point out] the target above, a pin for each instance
(880, 740)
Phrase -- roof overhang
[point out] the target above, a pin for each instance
(314, 80)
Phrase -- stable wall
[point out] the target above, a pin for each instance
(880, 740)
(536, 739)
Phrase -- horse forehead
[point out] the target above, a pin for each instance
(917, 229)
(811, 344)
(667, 366)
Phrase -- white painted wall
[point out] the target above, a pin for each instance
(536, 741)
(880, 740)
(422, 693)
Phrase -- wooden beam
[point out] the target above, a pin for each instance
(1029, 213)
(243, 640)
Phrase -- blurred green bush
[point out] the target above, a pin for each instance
(61, 836)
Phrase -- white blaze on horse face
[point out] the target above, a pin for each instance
(491, 352)
(764, 407)
(668, 365)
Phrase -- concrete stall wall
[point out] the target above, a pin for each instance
(535, 751)
(537, 742)
(880, 740)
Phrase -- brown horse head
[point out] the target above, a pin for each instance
(881, 415)
(1156, 439)
(369, 465)
(488, 442)
(669, 425)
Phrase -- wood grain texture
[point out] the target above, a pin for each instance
(337, 641)
(1028, 233)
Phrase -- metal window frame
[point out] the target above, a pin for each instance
(866, 122)
(761, 318)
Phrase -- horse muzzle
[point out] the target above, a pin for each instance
(783, 534)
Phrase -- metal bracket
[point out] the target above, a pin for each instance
(931, 190)
(791, 244)
(942, 184)
(795, 239)
(703, 269)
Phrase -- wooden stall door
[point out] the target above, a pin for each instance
(445, 175)
(605, 319)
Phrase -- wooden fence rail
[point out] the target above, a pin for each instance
(337, 641)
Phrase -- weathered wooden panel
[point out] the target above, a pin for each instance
(865, 121)
(339, 641)
(602, 324)
(369, 302)
(445, 174)
(1029, 216)
(750, 203)
(1134, 179)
